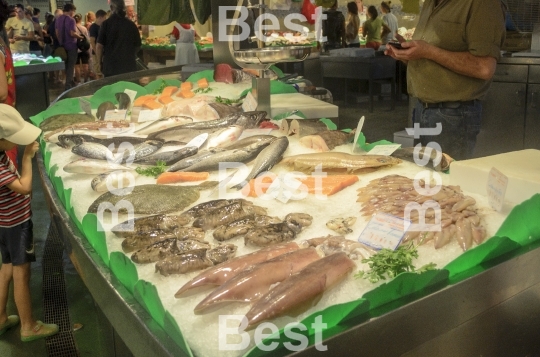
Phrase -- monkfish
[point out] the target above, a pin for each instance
(301, 288)
(256, 281)
(221, 273)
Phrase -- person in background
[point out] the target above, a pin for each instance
(362, 12)
(118, 42)
(372, 29)
(35, 45)
(47, 39)
(66, 32)
(12, 10)
(56, 75)
(16, 236)
(7, 73)
(101, 15)
(390, 20)
(81, 68)
(131, 14)
(35, 13)
(89, 19)
(334, 28)
(186, 51)
(20, 31)
(450, 69)
(353, 25)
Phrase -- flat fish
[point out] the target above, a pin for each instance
(268, 157)
(94, 151)
(163, 124)
(221, 273)
(195, 260)
(123, 100)
(169, 157)
(112, 181)
(339, 161)
(146, 225)
(60, 121)
(103, 108)
(252, 283)
(92, 167)
(152, 199)
(165, 248)
(302, 287)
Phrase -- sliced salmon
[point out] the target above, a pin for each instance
(330, 184)
(257, 186)
(143, 98)
(185, 94)
(169, 91)
(174, 177)
(186, 87)
(202, 83)
(165, 99)
(152, 104)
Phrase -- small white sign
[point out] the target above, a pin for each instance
(250, 103)
(129, 2)
(386, 150)
(496, 188)
(149, 115)
(115, 115)
(384, 231)
(131, 94)
(283, 187)
(355, 147)
(85, 106)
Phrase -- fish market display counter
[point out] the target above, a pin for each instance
(33, 87)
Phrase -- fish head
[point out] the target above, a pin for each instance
(250, 120)
(68, 141)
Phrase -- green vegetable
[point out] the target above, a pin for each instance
(389, 263)
(227, 100)
(161, 87)
(202, 90)
(153, 171)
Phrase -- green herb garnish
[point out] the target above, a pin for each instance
(389, 263)
(227, 100)
(153, 171)
(160, 89)
(202, 90)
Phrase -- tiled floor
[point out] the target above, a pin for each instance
(93, 338)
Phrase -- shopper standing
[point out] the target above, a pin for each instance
(66, 32)
(186, 51)
(372, 29)
(390, 20)
(20, 31)
(451, 61)
(334, 28)
(101, 15)
(118, 42)
(353, 25)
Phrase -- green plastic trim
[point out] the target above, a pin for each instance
(175, 333)
(276, 87)
(47, 160)
(288, 114)
(93, 231)
(207, 73)
(107, 93)
(124, 269)
(146, 294)
(361, 143)
(329, 123)
(156, 84)
(522, 224)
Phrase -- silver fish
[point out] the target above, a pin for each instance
(221, 273)
(251, 120)
(189, 161)
(141, 150)
(93, 151)
(213, 162)
(224, 136)
(250, 140)
(303, 286)
(169, 157)
(163, 124)
(103, 108)
(179, 133)
(123, 100)
(70, 140)
(256, 281)
(269, 156)
(92, 167)
(112, 181)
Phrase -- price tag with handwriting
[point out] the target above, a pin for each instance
(250, 103)
(386, 150)
(384, 231)
(496, 188)
(85, 106)
(115, 115)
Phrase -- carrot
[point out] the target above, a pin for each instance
(168, 91)
(185, 94)
(186, 86)
(329, 185)
(165, 99)
(143, 98)
(257, 186)
(152, 104)
(173, 177)
(202, 83)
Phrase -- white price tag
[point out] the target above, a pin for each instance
(129, 2)
(250, 103)
(384, 231)
(283, 187)
(131, 94)
(85, 106)
(496, 188)
(355, 147)
(386, 150)
(149, 115)
(115, 115)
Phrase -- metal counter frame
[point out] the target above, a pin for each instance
(494, 313)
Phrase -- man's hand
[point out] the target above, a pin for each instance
(412, 50)
(31, 149)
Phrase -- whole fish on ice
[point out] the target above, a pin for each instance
(195, 260)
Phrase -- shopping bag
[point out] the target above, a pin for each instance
(308, 10)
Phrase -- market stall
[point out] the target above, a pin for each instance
(413, 312)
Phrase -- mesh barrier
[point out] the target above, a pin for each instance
(524, 14)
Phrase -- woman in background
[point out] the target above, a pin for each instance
(186, 51)
(7, 72)
(89, 19)
(352, 26)
(83, 57)
(47, 39)
(372, 29)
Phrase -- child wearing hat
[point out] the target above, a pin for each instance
(16, 238)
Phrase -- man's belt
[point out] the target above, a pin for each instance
(451, 105)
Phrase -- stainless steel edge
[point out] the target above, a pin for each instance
(143, 336)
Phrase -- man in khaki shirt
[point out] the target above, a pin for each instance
(451, 60)
(20, 31)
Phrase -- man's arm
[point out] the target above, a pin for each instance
(99, 55)
(482, 67)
